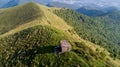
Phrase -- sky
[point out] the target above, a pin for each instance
(101, 3)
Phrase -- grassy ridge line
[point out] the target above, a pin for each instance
(11, 18)
(51, 20)
(54, 21)
(48, 19)
(116, 62)
(21, 27)
(74, 37)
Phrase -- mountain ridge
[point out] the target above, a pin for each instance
(41, 35)
(97, 11)
(20, 16)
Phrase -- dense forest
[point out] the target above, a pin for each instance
(103, 30)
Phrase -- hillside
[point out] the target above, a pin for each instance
(31, 31)
(103, 30)
(18, 16)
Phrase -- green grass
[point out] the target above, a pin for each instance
(39, 38)
(32, 39)
(13, 17)
(36, 45)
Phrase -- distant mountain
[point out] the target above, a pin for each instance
(90, 12)
(50, 5)
(92, 3)
(81, 7)
(2, 2)
(11, 4)
(64, 5)
(96, 11)
(114, 16)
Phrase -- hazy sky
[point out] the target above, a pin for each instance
(101, 3)
(96, 2)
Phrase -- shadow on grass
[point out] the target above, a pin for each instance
(27, 55)
(45, 49)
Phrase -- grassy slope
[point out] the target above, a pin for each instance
(35, 45)
(13, 17)
(48, 18)
(53, 23)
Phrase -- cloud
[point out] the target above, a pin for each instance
(101, 3)
(67, 1)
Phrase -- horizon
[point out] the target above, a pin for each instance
(79, 3)
(100, 3)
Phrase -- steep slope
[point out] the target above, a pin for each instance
(31, 43)
(103, 30)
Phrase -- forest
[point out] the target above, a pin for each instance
(101, 30)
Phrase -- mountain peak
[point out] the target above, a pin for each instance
(19, 15)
